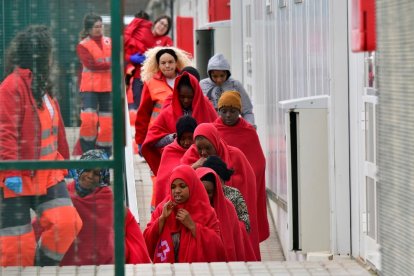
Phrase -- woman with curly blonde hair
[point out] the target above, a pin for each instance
(161, 67)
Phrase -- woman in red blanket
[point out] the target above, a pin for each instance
(208, 142)
(184, 227)
(187, 99)
(231, 127)
(172, 154)
(233, 232)
(93, 199)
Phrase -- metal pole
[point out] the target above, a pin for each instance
(118, 96)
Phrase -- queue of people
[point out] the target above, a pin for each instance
(208, 202)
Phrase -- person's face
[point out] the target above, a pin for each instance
(167, 65)
(186, 140)
(97, 29)
(180, 191)
(209, 186)
(89, 179)
(186, 95)
(161, 27)
(218, 76)
(204, 147)
(229, 115)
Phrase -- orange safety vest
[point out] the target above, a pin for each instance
(97, 80)
(43, 179)
(159, 90)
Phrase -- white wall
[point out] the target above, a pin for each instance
(299, 51)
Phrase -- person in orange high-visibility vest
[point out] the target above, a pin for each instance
(32, 129)
(94, 52)
(159, 71)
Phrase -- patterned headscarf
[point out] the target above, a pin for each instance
(104, 173)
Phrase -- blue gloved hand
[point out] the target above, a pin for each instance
(71, 173)
(14, 183)
(137, 58)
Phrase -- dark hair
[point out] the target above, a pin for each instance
(209, 177)
(216, 164)
(168, 20)
(163, 51)
(32, 49)
(193, 71)
(185, 123)
(142, 14)
(184, 82)
(88, 21)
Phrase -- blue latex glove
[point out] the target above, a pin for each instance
(14, 183)
(71, 173)
(137, 58)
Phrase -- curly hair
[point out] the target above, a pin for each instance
(150, 66)
(32, 49)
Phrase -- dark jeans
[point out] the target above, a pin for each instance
(137, 86)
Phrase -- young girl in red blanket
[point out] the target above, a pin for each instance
(172, 154)
(233, 232)
(231, 127)
(184, 227)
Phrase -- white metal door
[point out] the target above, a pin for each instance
(369, 204)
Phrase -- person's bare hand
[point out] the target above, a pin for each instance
(185, 218)
(167, 209)
(199, 163)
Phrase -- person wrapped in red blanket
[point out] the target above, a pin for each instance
(172, 155)
(184, 227)
(187, 99)
(231, 127)
(93, 199)
(233, 233)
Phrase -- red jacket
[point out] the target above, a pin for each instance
(19, 122)
(138, 38)
(164, 40)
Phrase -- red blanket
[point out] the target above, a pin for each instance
(138, 37)
(243, 178)
(206, 246)
(170, 159)
(135, 248)
(202, 111)
(94, 244)
(250, 146)
(233, 237)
